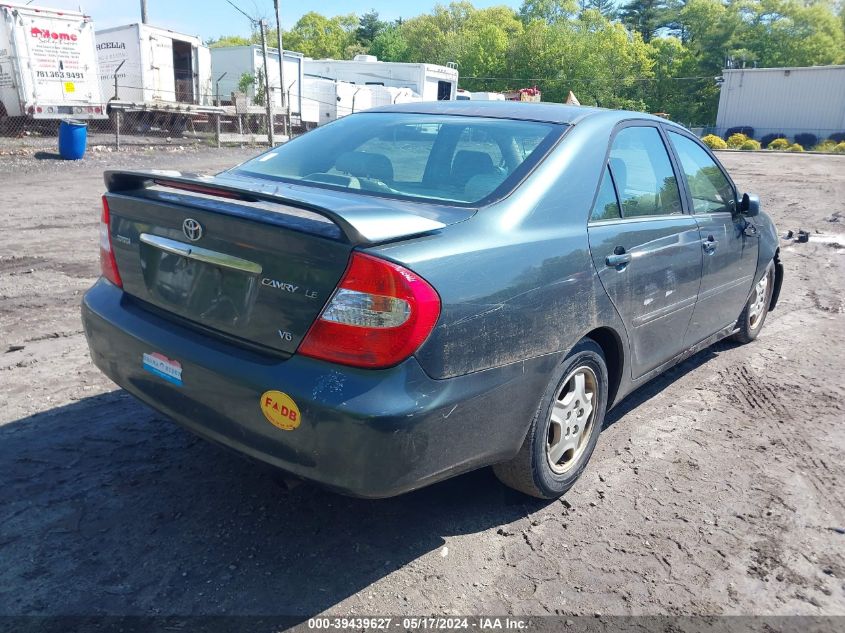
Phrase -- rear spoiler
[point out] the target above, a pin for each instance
(360, 224)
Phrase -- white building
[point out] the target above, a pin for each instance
(784, 100)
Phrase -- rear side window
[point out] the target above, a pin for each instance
(711, 191)
(643, 173)
(606, 206)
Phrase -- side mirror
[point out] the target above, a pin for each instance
(750, 205)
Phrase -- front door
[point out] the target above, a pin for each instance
(646, 250)
(730, 255)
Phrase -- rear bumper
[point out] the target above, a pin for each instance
(369, 433)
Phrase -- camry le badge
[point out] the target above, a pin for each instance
(192, 229)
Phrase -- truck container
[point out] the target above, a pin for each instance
(158, 66)
(430, 81)
(233, 62)
(48, 64)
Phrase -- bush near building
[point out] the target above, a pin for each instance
(825, 146)
(779, 144)
(714, 142)
(750, 145)
(767, 139)
(735, 141)
(840, 148)
(795, 147)
(806, 139)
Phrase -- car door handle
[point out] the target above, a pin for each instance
(710, 244)
(618, 259)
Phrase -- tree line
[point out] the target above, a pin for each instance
(650, 55)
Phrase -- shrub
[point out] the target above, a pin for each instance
(778, 144)
(766, 141)
(840, 148)
(714, 142)
(740, 129)
(825, 146)
(839, 137)
(736, 140)
(795, 147)
(806, 139)
(750, 145)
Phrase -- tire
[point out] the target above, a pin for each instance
(754, 314)
(532, 471)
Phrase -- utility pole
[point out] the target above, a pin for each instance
(268, 96)
(285, 111)
(143, 11)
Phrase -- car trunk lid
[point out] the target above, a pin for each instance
(251, 261)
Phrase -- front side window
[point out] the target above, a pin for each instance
(453, 159)
(709, 188)
(643, 173)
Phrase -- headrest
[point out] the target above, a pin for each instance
(365, 165)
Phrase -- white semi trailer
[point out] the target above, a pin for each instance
(154, 66)
(430, 81)
(233, 62)
(48, 64)
(324, 100)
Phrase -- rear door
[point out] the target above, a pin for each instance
(646, 250)
(730, 255)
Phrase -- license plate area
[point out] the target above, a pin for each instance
(212, 294)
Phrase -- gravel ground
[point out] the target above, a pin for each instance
(716, 489)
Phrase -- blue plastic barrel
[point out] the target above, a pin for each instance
(73, 138)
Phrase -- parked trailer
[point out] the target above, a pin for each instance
(325, 100)
(232, 62)
(466, 95)
(48, 64)
(430, 81)
(165, 74)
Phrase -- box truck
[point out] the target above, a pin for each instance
(48, 64)
(233, 62)
(154, 66)
(430, 81)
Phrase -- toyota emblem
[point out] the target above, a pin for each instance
(192, 229)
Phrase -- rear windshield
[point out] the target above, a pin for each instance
(453, 159)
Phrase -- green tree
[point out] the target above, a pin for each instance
(390, 45)
(369, 27)
(230, 40)
(645, 17)
(317, 36)
(548, 11)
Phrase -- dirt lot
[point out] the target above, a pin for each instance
(717, 489)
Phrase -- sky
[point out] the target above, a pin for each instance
(212, 18)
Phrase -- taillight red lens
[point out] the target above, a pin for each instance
(379, 315)
(108, 265)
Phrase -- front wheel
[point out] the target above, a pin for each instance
(754, 314)
(565, 428)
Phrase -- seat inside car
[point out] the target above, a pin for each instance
(468, 164)
(366, 165)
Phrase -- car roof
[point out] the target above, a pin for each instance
(518, 110)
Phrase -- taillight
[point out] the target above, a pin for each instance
(108, 265)
(379, 315)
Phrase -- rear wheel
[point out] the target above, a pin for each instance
(754, 314)
(565, 428)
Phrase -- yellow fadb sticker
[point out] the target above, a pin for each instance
(70, 86)
(280, 410)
